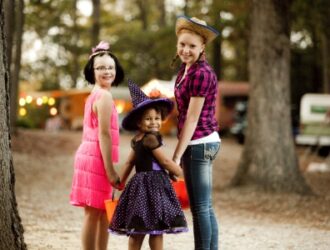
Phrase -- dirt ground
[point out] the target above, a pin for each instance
(248, 219)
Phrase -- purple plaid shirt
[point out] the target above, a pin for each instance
(200, 81)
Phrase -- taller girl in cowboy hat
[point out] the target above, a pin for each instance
(198, 138)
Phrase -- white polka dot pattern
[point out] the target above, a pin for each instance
(137, 95)
(148, 205)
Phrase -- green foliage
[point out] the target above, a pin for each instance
(65, 36)
(35, 116)
(55, 25)
(310, 21)
(235, 29)
(146, 54)
(64, 33)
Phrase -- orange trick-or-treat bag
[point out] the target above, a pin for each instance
(181, 192)
(110, 206)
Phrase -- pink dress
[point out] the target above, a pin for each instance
(90, 185)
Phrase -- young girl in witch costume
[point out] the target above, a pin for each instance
(148, 205)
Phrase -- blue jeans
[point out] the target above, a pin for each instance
(197, 167)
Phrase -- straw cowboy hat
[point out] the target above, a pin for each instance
(141, 102)
(196, 25)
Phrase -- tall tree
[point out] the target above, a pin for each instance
(16, 63)
(324, 33)
(74, 47)
(325, 47)
(9, 23)
(11, 236)
(143, 7)
(269, 155)
(186, 7)
(162, 16)
(96, 25)
(215, 11)
(9, 31)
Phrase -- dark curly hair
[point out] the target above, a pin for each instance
(89, 69)
(160, 109)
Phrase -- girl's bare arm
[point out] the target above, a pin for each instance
(103, 109)
(167, 163)
(127, 167)
(193, 113)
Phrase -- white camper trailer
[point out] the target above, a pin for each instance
(314, 120)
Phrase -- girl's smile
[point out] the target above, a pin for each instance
(189, 47)
(104, 70)
(151, 121)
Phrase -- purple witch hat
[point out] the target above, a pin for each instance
(141, 102)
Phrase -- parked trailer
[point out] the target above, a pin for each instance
(314, 127)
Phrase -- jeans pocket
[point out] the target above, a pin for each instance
(197, 151)
(210, 150)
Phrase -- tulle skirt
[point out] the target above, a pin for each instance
(148, 205)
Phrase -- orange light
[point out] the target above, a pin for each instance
(120, 106)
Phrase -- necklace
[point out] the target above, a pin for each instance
(182, 78)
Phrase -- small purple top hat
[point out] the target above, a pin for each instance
(140, 103)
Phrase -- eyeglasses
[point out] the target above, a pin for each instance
(103, 68)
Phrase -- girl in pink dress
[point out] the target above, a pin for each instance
(94, 173)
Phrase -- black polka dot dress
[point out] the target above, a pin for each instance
(148, 205)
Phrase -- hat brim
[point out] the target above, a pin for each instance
(130, 123)
(207, 32)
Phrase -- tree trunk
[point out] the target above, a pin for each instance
(217, 57)
(143, 8)
(316, 85)
(14, 83)
(9, 24)
(75, 51)
(9, 36)
(217, 43)
(186, 8)
(95, 23)
(162, 10)
(325, 63)
(269, 157)
(11, 236)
